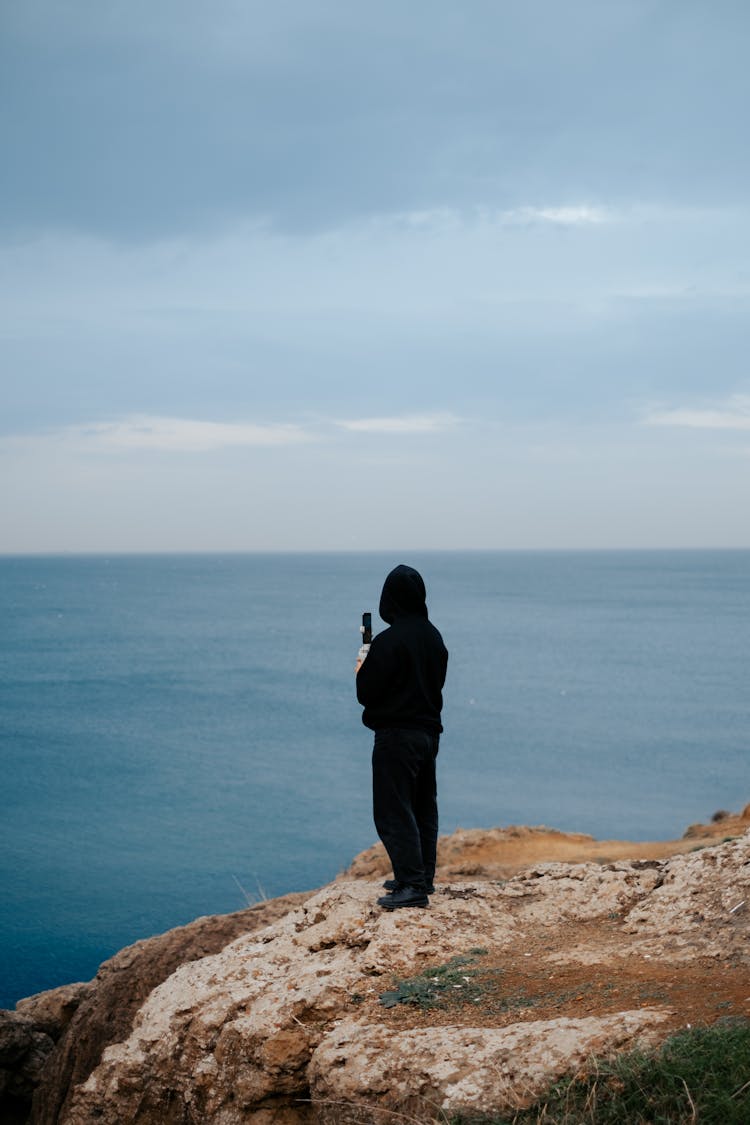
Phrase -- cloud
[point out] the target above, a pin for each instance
(733, 414)
(407, 424)
(456, 219)
(567, 216)
(150, 118)
(145, 433)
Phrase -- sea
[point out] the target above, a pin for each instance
(179, 734)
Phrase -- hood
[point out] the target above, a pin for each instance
(403, 594)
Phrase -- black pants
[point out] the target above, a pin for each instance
(404, 798)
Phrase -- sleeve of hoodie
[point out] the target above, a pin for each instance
(379, 672)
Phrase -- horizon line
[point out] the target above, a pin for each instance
(202, 552)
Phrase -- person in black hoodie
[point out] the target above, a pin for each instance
(400, 686)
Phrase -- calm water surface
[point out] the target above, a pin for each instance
(179, 731)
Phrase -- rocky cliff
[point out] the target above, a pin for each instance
(323, 1008)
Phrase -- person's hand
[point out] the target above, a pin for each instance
(357, 666)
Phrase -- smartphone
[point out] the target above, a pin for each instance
(366, 628)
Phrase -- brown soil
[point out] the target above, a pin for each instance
(543, 979)
(501, 852)
(540, 981)
(498, 853)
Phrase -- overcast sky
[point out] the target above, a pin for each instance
(327, 274)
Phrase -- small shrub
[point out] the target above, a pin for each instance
(436, 987)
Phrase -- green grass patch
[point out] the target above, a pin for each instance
(462, 981)
(456, 981)
(700, 1075)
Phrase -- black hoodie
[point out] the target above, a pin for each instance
(400, 683)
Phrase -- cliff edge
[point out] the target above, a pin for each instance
(323, 1008)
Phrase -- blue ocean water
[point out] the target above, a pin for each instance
(178, 732)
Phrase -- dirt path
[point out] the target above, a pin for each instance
(572, 968)
(498, 853)
(541, 981)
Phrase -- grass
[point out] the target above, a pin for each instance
(457, 980)
(461, 981)
(701, 1075)
(250, 898)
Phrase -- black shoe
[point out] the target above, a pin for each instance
(404, 896)
(393, 885)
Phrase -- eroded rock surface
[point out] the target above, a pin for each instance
(52, 1011)
(88, 1018)
(24, 1050)
(271, 1027)
(499, 853)
(425, 1071)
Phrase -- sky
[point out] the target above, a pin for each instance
(335, 275)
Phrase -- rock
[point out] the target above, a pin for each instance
(582, 891)
(23, 1052)
(53, 1010)
(488, 852)
(693, 905)
(27, 1037)
(237, 1018)
(247, 1019)
(358, 1072)
(269, 1029)
(108, 1004)
(499, 853)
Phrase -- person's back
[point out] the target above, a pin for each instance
(400, 683)
(400, 687)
